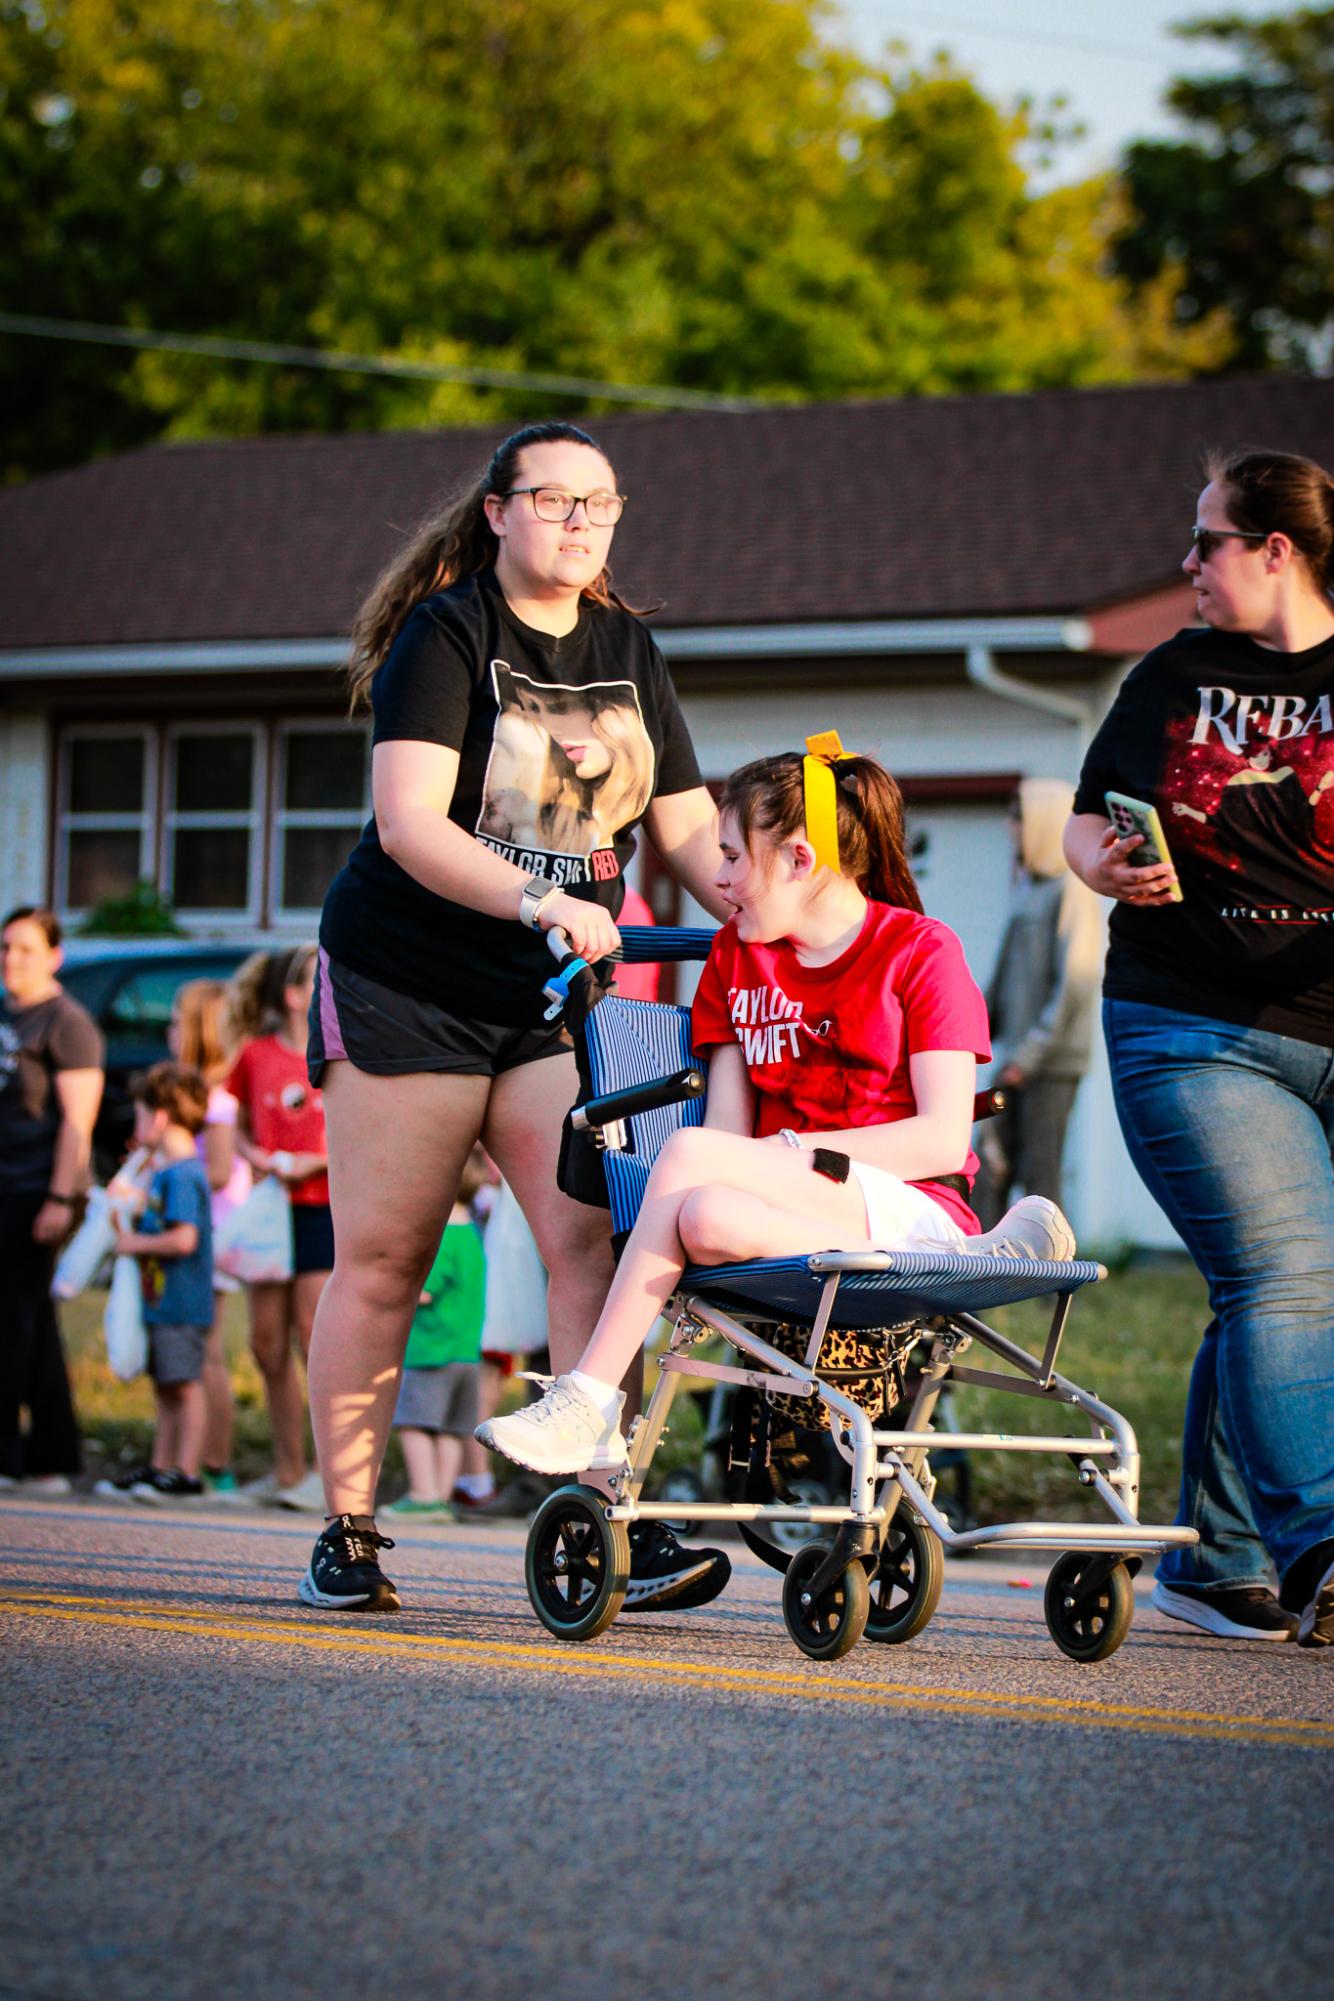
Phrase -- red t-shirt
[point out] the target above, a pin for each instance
(283, 1112)
(827, 1047)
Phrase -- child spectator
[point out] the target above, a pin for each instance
(198, 1037)
(280, 1130)
(174, 1246)
(438, 1399)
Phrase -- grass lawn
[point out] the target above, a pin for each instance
(1129, 1340)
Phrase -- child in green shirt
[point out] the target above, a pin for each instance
(437, 1403)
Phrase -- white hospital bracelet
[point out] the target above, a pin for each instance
(786, 1133)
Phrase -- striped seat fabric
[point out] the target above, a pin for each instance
(636, 1042)
(916, 1285)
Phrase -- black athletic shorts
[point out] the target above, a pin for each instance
(391, 1035)
(312, 1237)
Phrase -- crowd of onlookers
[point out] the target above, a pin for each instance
(226, 1190)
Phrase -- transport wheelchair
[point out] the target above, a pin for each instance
(861, 1343)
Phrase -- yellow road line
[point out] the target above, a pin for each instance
(810, 1685)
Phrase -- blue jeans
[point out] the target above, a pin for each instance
(1230, 1129)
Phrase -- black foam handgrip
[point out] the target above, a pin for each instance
(988, 1104)
(673, 1090)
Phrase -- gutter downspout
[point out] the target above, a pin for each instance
(983, 672)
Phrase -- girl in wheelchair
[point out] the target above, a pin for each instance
(843, 1030)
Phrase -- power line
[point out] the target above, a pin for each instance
(1088, 45)
(272, 352)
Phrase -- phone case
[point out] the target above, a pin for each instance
(1137, 816)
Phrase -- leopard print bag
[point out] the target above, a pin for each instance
(866, 1366)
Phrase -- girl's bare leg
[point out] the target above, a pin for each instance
(218, 1402)
(701, 1201)
(306, 1289)
(448, 1462)
(191, 1418)
(271, 1344)
(396, 1150)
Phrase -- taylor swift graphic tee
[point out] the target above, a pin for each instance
(1234, 745)
(827, 1047)
(562, 744)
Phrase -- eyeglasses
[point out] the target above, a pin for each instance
(552, 503)
(1206, 540)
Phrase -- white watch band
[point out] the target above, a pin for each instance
(536, 892)
(786, 1134)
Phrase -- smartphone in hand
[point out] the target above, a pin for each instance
(1136, 816)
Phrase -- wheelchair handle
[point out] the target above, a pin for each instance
(989, 1104)
(674, 1090)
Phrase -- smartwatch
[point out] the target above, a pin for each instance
(537, 891)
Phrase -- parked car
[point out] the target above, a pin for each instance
(128, 986)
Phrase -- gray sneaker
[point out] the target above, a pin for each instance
(1034, 1228)
(563, 1432)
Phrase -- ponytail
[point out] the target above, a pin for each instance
(255, 1003)
(769, 797)
(454, 542)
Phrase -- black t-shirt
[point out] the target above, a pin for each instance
(1234, 745)
(35, 1043)
(562, 744)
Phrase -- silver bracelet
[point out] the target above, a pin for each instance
(790, 1138)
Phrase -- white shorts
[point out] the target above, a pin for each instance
(902, 1218)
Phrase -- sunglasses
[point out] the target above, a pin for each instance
(1206, 540)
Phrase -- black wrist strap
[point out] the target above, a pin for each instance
(65, 1201)
(825, 1161)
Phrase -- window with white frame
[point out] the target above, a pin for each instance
(213, 819)
(321, 801)
(105, 821)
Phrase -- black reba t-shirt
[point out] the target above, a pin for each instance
(1234, 745)
(562, 745)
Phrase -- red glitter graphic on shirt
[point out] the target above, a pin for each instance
(1247, 786)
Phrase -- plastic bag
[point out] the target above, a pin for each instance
(95, 1239)
(123, 1323)
(254, 1243)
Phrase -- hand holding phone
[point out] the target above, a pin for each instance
(1135, 816)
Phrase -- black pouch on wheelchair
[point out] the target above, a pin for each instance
(579, 1168)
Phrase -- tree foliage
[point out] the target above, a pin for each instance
(652, 191)
(1243, 211)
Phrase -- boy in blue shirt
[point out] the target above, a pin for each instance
(174, 1246)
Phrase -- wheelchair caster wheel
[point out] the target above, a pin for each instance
(830, 1626)
(905, 1586)
(577, 1564)
(1089, 1603)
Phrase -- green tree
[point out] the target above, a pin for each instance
(681, 191)
(1244, 209)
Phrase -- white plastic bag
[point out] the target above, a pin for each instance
(254, 1243)
(123, 1323)
(95, 1239)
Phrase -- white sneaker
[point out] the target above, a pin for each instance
(52, 1486)
(306, 1498)
(563, 1432)
(1034, 1228)
(257, 1493)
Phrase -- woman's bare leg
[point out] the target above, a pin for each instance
(522, 1135)
(271, 1345)
(397, 1146)
(717, 1175)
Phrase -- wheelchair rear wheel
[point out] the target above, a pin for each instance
(1089, 1603)
(906, 1584)
(828, 1627)
(577, 1564)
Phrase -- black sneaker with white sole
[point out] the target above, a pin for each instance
(161, 1488)
(1233, 1612)
(1316, 1624)
(120, 1486)
(664, 1577)
(345, 1573)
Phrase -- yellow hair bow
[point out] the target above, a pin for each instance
(824, 751)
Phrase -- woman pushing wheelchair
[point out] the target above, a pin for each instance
(843, 1030)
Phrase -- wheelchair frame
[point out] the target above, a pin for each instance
(890, 1538)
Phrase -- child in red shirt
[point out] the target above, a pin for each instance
(844, 1031)
(280, 1130)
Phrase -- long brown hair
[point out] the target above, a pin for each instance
(1281, 493)
(256, 993)
(455, 541)
(769, 797)
(203, 1026)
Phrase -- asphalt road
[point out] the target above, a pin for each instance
(211, 1791)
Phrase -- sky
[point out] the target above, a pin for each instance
(1111, 62)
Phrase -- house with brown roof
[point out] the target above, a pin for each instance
(957, 584)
